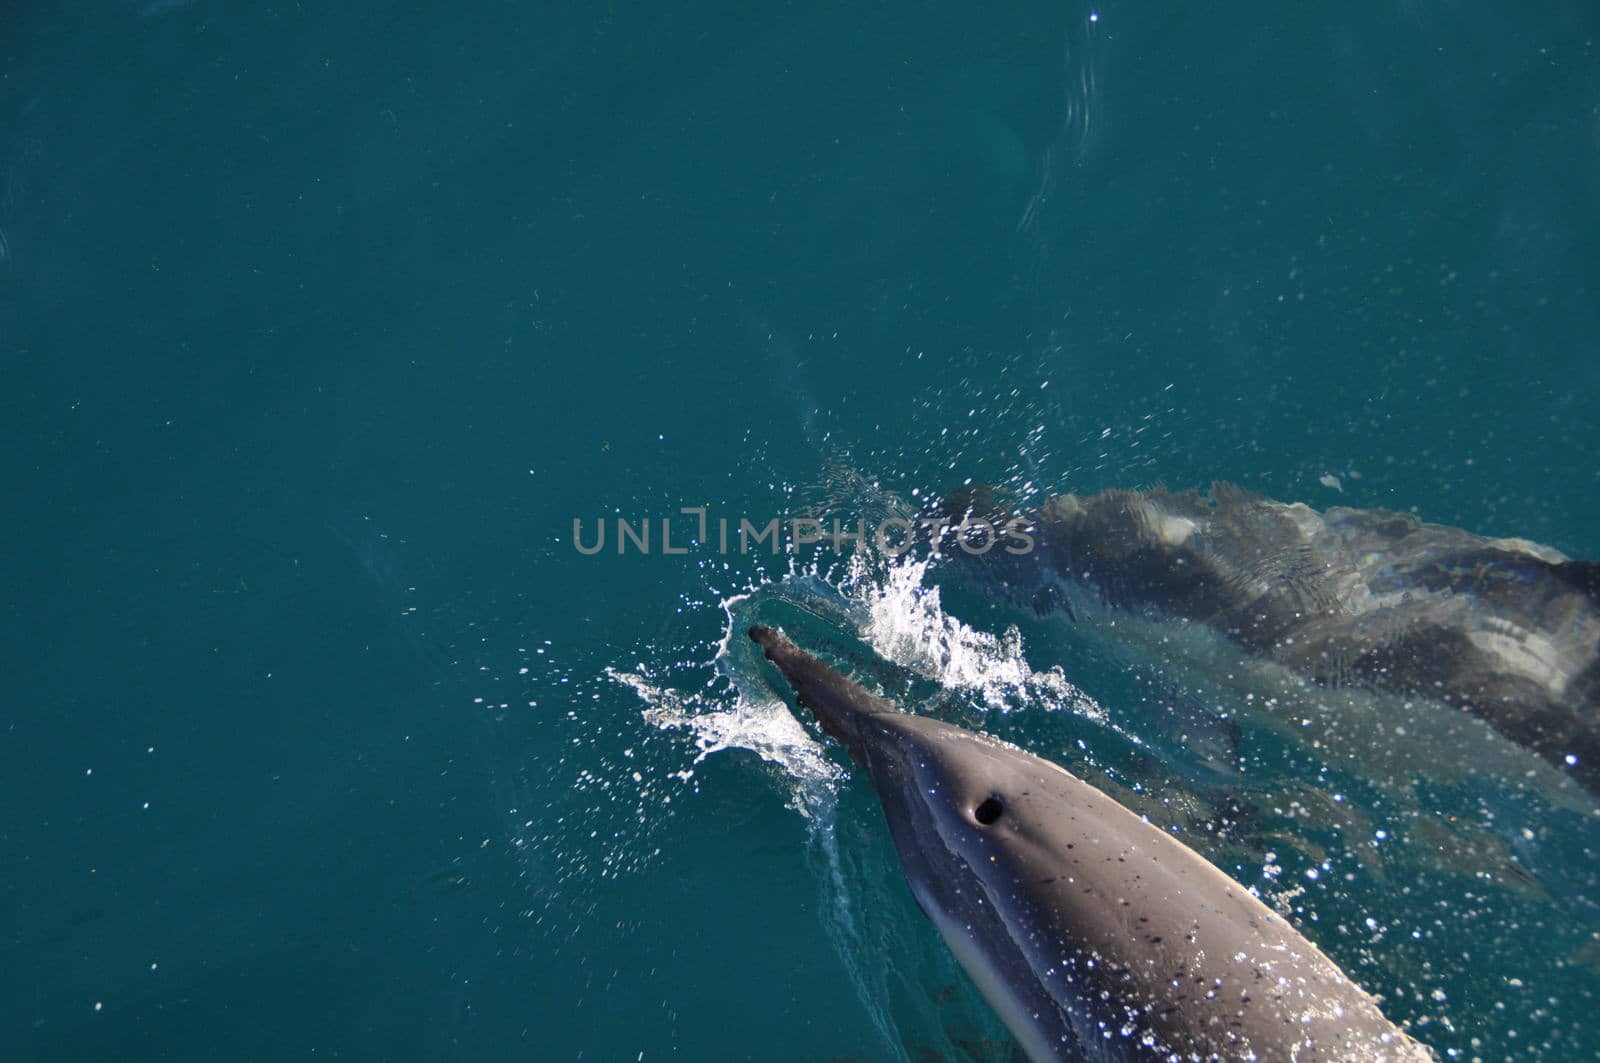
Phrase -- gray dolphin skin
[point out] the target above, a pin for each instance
(1093, 934)
(1504, 629)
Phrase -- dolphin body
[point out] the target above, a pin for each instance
(1094, 935)
(1505, 629)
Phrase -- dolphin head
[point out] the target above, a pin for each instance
(959, 813)
(1091, 932)
(913, 761)
(938, 781)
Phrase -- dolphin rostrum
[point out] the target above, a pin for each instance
(1093, 934)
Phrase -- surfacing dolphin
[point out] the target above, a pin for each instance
(1094, 935)
(1504, 629)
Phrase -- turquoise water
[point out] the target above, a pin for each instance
(319, 327)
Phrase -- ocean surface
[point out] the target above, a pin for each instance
(320, 325)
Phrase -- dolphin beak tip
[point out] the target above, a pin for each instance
(835, 701)
(771, 641)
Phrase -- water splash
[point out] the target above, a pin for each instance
(903, 618)
(894, 611)
(760, 725)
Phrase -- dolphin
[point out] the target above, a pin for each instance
(1093, 934)
(1506, 630)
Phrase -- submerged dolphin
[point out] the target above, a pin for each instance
(1093, 934)
(1504, 629)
